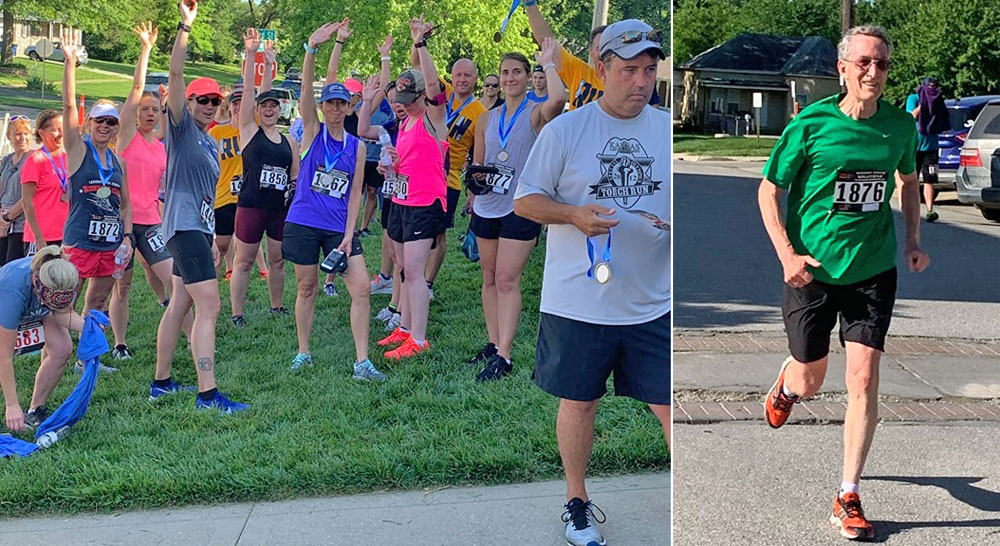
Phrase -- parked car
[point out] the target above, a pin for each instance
(293, 85)
(978, 177)
(962, 113)
(154, 80)
(57, 54)
(289, 105)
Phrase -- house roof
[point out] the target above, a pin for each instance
(769, 53)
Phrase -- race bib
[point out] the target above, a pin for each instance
(333, 183)
(387, 187)
(402, 186)
(859, 191)
(500, 182)
(30, 337)
(208, 214)
(236, 184)
(104, 229)
(155, 239)
(273, 178)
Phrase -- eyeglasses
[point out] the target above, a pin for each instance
(491, 85)
(205, 100)
(109, 121)
(635, 36)
(864, 63)
(19, 117)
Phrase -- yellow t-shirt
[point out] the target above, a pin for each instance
(231, 161)
(461, 134)
(581, 80)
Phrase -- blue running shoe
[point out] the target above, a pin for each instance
(301, 360)
(221, 403)
(366, 371)
(174, 387)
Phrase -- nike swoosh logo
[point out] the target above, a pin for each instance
(885, 135)
(417, 232)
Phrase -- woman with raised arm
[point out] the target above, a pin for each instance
(419, 198)
(270, 162)
(188, 226)
(504, 137)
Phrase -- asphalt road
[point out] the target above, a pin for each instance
(726, 275)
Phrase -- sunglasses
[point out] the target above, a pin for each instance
(109, 121)
(19, 117)
(491, 85)
(205, 100)
(864, 63)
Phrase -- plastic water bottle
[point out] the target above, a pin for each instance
(385, 158)
(51, 437)
(120, 264)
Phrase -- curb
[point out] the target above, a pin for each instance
(819, 413)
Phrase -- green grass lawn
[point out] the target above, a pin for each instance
(317, 432)
(686, 143)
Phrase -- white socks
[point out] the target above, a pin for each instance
(848, 487)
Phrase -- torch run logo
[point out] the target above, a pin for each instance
(626, 173)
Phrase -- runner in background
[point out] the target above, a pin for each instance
(11, 208)
(381, 115)
(539, 84)
(491, 92)
(580, 77)
(227, 187)
(45, 183)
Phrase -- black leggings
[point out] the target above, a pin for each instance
(11, 247)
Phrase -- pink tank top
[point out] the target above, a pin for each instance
(145, 163)
(420, 179)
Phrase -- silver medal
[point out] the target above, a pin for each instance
(502, 155)
(602, 272)
(103, 193)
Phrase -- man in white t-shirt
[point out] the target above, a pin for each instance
(600, 177)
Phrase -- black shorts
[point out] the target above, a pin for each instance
(225, 220)
(386, 208)
(927, 164)
(192, 254)
(303, 245)
(865, 309)
(407, 224)
(511, 226)
(574, 359)
(449, 220)
(149, 243)
(373, 178)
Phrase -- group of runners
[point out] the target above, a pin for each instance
(162, 182)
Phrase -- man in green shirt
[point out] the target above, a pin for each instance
(838, 160)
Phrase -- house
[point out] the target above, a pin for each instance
(790, 72)
(27, 31)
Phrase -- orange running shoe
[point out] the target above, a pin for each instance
(229, 273)
(397, 336)
(777, 406)
(263, 274)
(850, 518)
(407, 349)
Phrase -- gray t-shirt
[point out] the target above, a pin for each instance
(192, 171)
(587, 156)
(20, 305)
(499, 202)
(10, 187)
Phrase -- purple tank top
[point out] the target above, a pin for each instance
(321, 202)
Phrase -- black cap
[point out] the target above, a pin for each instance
(538, 68)
(270, 94)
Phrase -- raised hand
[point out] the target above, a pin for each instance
(322, 34)
(269, 53)
(344, 32)
(371, 89)
(147, 34)
(70, 46)
(251, 40)
(548, 50)
(189, 10)
(417, 28)
(386, 46)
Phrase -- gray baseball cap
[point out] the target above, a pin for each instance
(630, 38)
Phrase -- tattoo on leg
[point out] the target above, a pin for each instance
(205, 364)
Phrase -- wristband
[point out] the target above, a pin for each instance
(182, 26)
(5, 219)
(341, 42)
(421, 43)
(131, 237)
(308, 49)
(386, 58)
(547, 65)
(527, 3)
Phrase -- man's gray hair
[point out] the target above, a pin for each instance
(875, 31)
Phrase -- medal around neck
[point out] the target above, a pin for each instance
(502, 155)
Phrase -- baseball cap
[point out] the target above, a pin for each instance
(270, 94)
(237, 93)
(334, 91)
(409, 86)
(203, 87)
(538, 68)
(104, 110)
(353, 85)
(630, 38)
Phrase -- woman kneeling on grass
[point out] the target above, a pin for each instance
(37, 294)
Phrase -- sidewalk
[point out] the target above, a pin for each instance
(637, 509)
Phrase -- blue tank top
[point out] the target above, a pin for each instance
(320, 193)
(95, 213)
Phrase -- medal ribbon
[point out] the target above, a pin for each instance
(506, 129)
(105, 175)
(452, 115)
(590, 253)
(331, 159)
(61, 173)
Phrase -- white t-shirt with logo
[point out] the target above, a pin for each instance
(587, 156)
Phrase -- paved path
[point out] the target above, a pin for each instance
(637, 508)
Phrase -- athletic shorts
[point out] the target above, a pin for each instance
(373, 178)
(511, 226)
(304, 245)
(252, 223)
(449, 220)
(864, 308)
(225, 220)
(91, 263)
(386, 208)
(407, 224)
(927, 164)
(149, 243)
(192, 254)
(574, 359)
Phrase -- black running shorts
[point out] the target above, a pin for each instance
(302, 245)
(192, 254)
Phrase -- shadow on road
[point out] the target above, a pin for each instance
(960, 488)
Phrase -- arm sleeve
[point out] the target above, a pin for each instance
(544, 166)
(788, 155)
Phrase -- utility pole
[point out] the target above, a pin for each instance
(600, 13)
(846, 15)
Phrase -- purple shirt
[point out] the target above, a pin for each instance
(319, 210)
